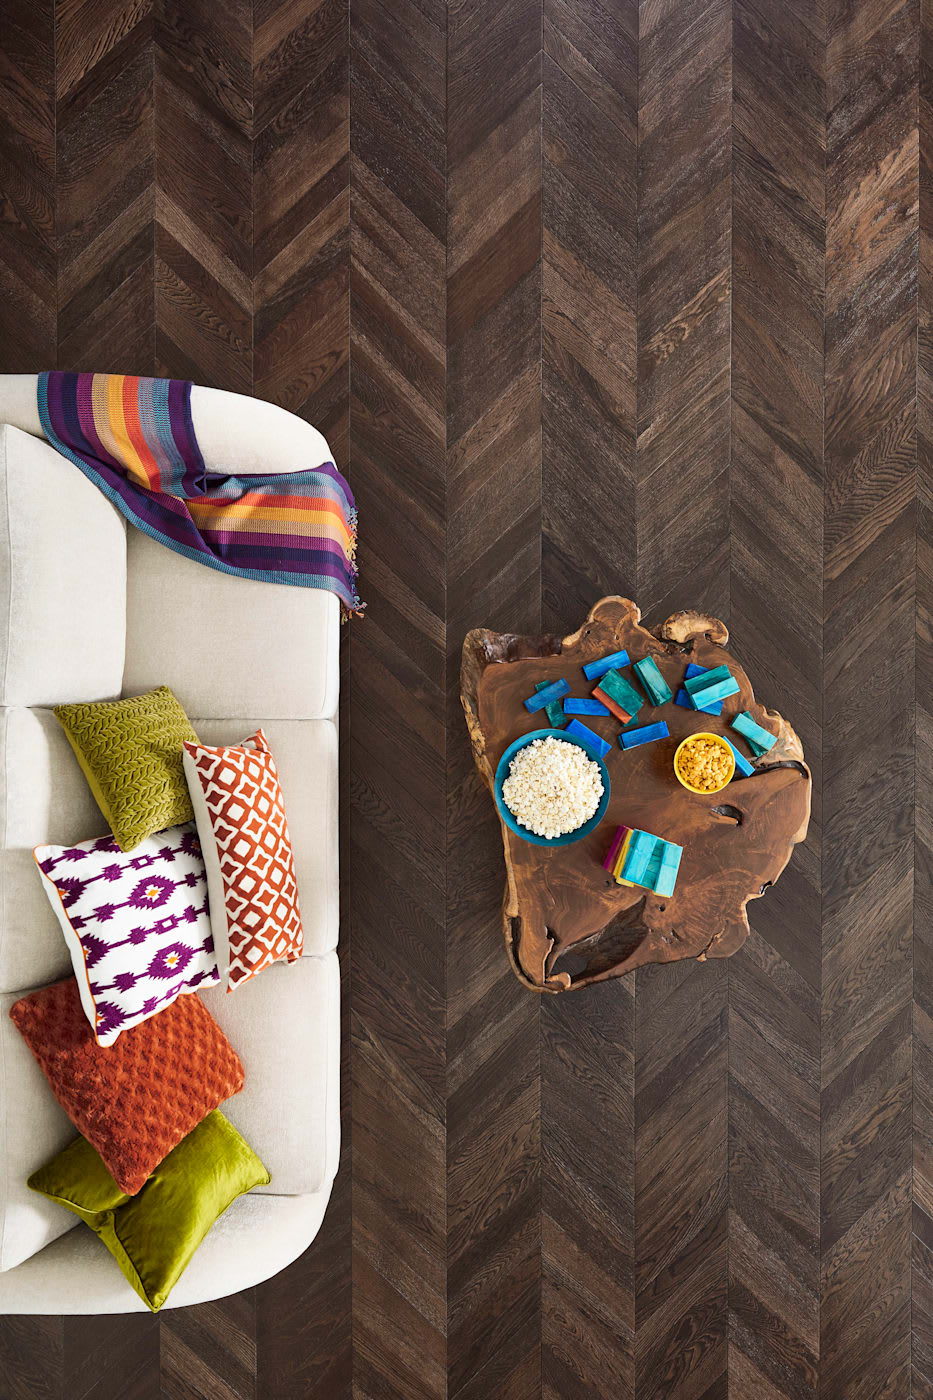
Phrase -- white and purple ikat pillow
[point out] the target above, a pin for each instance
(136, 923)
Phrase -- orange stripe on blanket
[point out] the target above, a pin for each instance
(204, 512)
(117, 421)
(275, 529)
(302, 503)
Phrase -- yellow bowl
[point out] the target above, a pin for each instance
(717, 739)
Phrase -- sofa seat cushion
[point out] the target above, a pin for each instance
(285, 1027)
(44, 800)
(228, 646)
(154, 1235)
(33, 1129)
(306, 762)
(62, 579)
(134, 1100)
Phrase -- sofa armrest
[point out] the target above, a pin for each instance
(247, 436)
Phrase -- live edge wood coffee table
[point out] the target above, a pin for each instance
(567, 924)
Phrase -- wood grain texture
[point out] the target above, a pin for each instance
(869, 552)
(493, 565)
(397, 671)
(28, 253)
(105, 184)
(682, 551)
(204, 171)
(566, 923)
(922, 988)
(589, 380)
(589, 298)
(776, 584)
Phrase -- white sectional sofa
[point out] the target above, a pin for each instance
(90, 608)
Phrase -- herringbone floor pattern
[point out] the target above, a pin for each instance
(588, 297)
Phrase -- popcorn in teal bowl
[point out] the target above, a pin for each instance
(551, 788)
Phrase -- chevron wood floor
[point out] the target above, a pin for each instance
(588, 297)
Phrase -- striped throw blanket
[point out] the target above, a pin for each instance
(134, 438)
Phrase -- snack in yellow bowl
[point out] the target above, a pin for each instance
(704, 763)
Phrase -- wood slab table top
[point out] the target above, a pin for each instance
(566, 923)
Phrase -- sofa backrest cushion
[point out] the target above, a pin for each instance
(229, 647)
(62, 579)
(44, 799)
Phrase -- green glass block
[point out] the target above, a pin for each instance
(656, 687)
(622, 692)
(554, 711)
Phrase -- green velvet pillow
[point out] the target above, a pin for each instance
(131, 753)
(154, 1234)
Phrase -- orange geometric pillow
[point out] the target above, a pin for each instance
(251, 886)
(136, 1099)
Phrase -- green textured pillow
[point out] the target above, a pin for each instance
(131, 753)
(154, 1234)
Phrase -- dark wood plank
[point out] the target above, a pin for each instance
(105, 185)
(552, 213)
(870, 372)
(922, 1046)
(493, 574)
(776, 585)
(589, 127)
(113, 1358)
(204, 215)
(31, 1355)
(397, 671)
(684, 201)
(28, 253)
(209, 1352)
(588, 325)
(300, 211)
(682, 552)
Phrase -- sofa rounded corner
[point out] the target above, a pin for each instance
(253, 1241)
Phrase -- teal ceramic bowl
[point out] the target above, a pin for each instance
(502, 772)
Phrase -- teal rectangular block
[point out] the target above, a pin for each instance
(638, 855)
(653, 868)
(652, 862)
(683, 698)
(759, 740)
(622, 692)
(670, 865)
(710, 694)
(656, 687)
(699, 682)
(553, 709)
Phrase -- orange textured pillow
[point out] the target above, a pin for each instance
(136, 1099)
(240, 812)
